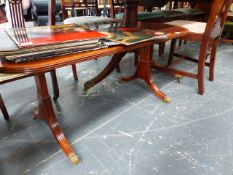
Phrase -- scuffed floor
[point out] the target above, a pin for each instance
(121, 128)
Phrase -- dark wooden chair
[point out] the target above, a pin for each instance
(17, 21)
(208, 35)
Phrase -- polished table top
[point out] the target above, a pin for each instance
(47, 64)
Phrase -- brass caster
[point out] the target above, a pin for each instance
(178, 78)
(167, 100)
(34, 115)
(74, 158)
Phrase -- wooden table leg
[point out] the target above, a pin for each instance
(114, 62)
(143, 71)
(56, 92)
(3, 108)
(74, 70)
(46, 113)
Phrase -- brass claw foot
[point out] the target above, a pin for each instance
(167, 100)
(35, 114)
(130, 78)
(74, 158)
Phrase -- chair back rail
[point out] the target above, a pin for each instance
(215, 23)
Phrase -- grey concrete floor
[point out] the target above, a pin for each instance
(122, 128)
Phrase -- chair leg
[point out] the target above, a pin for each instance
(56, 92)
(200, 74)
(74, 69)
(118, 69)
(3, 109)
(136, 55)
(161, 48)
(171, 53)
(212, 60)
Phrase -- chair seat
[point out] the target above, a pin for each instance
(85, 20)
(192, 26)
(154, 14)
(190, 12)
(196, 29)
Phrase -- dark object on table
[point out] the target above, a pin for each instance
(42, 11)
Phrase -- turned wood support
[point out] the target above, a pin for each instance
(143, 71)
(171, 53)
(130, 18)
(46, 113)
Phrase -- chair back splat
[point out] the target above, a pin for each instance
(208, 35)
(16, 13)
